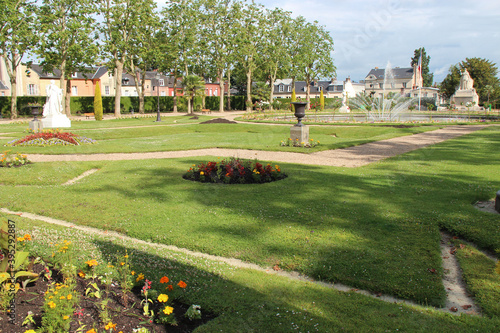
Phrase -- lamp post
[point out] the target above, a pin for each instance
(158, 117)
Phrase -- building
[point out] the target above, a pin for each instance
(397, 80)
(331, 88)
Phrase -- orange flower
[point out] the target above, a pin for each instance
(81, 274)
(164, 279)
(170, 287)
(92, 262)
(109, 326)
(182, 284)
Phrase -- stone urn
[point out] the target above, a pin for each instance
(300, 112)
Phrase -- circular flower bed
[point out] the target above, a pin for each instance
(234, 171)
(51, 138)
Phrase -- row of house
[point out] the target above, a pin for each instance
(33, 80)
(404, 81)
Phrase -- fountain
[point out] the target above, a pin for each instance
(386, 107)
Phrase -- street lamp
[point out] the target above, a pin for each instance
(158, 118)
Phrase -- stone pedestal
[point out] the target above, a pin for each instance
(344, 109)
(299, 134)
(36, 125)
(56, 121)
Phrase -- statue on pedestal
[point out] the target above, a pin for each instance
(53, 105)
(466, 82)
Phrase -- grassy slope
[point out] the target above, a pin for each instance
(374, 227)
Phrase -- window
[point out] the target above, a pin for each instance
(320, 88)
(3, 93)
(281, 88)
(32, 89)
(404, 84)
(74, 91)
(381, 85)
(210, 92)
(392, 85)
(74, 75)
(106, 90)
(162, 83)
(163, 93)
(289, 88)
(215, 92)
(172, 93)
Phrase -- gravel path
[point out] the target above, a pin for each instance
(348, 157)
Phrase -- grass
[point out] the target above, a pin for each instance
(143, 135)
(251, 301)
(374, 227)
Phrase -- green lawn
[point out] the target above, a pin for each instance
(374, 227)
(144, 135)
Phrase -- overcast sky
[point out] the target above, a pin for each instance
(369, 33)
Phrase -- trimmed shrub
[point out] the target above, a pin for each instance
(97, 102)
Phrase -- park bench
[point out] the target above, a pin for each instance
(88, 115)
(206, 111)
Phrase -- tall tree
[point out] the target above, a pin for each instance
(179, 39)
(249, 40)
(193, 86)
(484, 72)
(315, 56)
(67, 41)
(217, 31)
(119, 26)
(16, 39)
(426, 76)
(143, 48)
(277, 45)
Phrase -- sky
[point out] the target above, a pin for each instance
(371, 33)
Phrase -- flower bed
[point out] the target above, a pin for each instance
(234, 171)
(291, 143)
(51, 138)
(8, 159)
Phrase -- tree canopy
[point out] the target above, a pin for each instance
(484, 73)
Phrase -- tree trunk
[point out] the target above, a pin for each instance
(221, 91)
(308, 91)
(13, 91)
(271, 96)
(175, 94)
(229, 90)
(65, 86)
(67, 100)
(140, 90)
(118, 83)
(249, 91)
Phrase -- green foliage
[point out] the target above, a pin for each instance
(98, 102)
(484, 72)
(322, 100)
(426, 76)
(59, 305)
(193, 86)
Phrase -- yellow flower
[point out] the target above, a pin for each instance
(139, 277)
(125, 256)
(122, 263)
(51, 304)
(109, 326)
(91, 331)
(30, 331)
(91, 263)
(65, 317)
(202, 173)
(168, 310)
(163, 298)
(133, 272)
(81, 274)
(69, 296)
(62, 297)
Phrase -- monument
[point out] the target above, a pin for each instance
(348, 92)
(466, 95)
(52, 110)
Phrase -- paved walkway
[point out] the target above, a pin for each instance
(348, 157)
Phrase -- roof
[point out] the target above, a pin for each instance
(332, 85)
(399, 73)
(129, 79)
(90, 73)
(3, 86)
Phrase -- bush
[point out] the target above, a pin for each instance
(98, 103)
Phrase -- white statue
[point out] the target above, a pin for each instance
(53, 105)
(466, 82)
